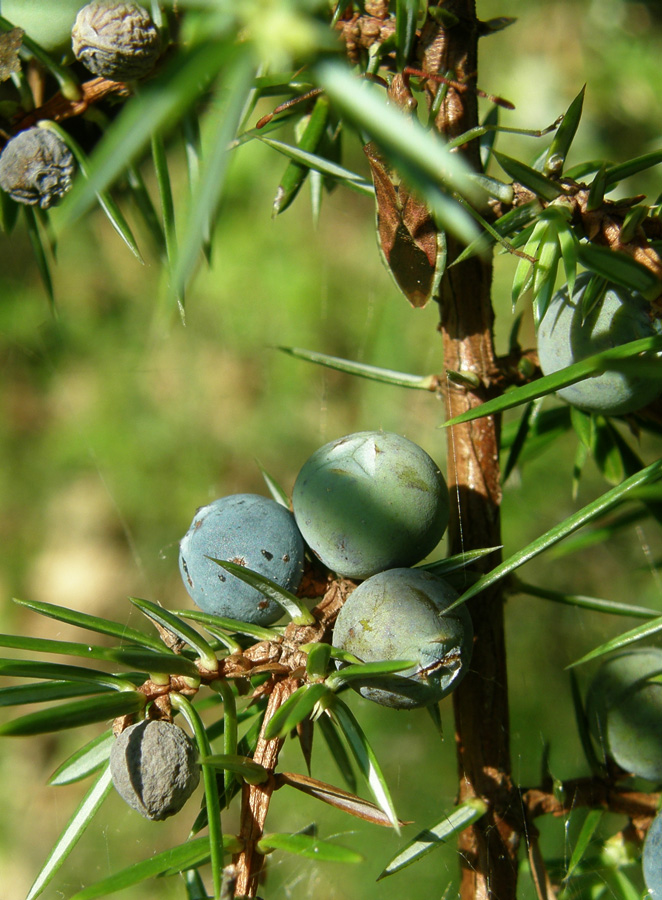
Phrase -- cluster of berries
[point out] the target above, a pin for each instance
(368, 507)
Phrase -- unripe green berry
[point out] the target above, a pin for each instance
(568, 334)
(370, 501)
(624, 710)
(401, 614)
(36, 167)
(154, 767)
(116, 40)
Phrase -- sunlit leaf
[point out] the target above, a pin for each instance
(613, 358)
(324, 166)
(153, 663)
(597, 190)
(195, 886)
(319, 655)
(75, 714)
(373, 373)
(45, 645)
(191, 854)
(173, 623)
(159, 104)
(212, 800)
(45, 692)
(234, 626)
(295, 709)
(84, 761)
(569, 246)
(562, 140)
(632, 222)
(610, 607)
(535, 181)
(422, 157)
(338, 753)
(623, 640)
(365, 759)
(513, 221)
(584, 838)
(230, 726)
(438, 834)
(406, 16)
(617, 267)
(308, 847)
(523, 276)
(106, 202)
(93, 623)
(544, 277)
(277, 492)
(292, 605)
(599, 535)
(458, 561)
(490, 123)
(33, 669)
(40, 254)
(209, 188)
(251, 772)
(617, 173)
(584, 516)
(366, 671)
(308, 141)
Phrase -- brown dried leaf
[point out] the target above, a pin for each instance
(334, 796)
(406, 231)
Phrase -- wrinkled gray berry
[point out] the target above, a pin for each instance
(401, 614)
(116, 40)
(370, 501)
(36, 167)
(568, 334)
(154, 767)
(624, 710)
(251, 531)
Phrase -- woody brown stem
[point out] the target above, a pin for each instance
(488, 849)
(59, 107)
(595, 793)
(255, 799)
(286, 654)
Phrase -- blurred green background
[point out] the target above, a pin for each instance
(117, 422)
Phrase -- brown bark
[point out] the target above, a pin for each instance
(489, 848)
(255, 799)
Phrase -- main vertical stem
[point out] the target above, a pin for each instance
(488, 850)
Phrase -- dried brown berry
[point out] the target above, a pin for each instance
(116, 40)
(154, 767)
(36, 166)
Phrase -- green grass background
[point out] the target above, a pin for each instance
(117, 422)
